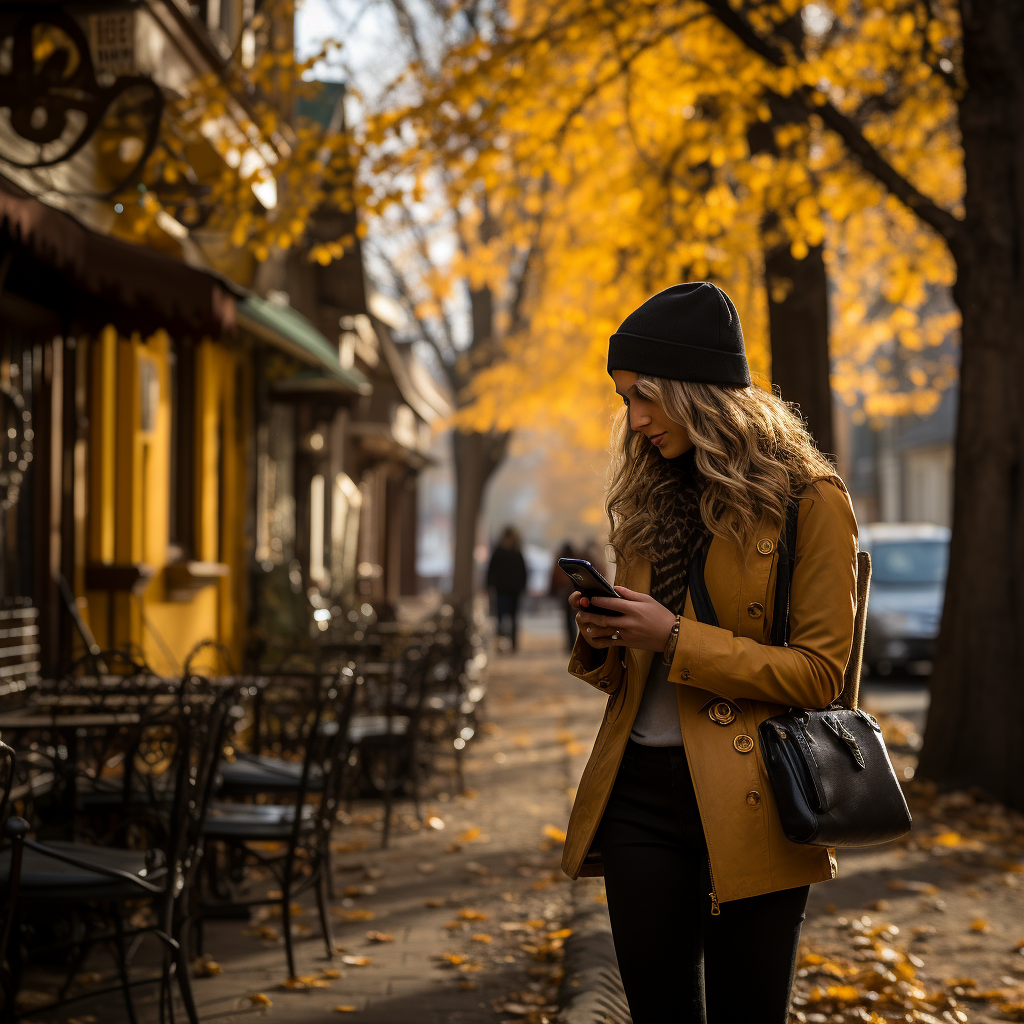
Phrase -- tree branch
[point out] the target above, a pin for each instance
(401, 288)
(870, 159)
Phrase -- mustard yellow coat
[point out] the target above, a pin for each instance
(731, 671)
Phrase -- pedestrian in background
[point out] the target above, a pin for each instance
(561, 588)
(506, 576)
(706, 894)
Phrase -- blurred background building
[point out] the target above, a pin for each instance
(199, 444)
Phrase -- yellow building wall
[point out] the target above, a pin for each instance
(130, 499)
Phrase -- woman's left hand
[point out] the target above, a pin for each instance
(644, 624)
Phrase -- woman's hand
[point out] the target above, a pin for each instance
(644, 624)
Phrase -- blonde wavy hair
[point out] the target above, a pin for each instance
(752, 448)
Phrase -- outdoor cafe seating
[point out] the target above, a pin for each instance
(208, 795)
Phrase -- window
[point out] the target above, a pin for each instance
(918, 561)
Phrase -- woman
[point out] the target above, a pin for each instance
(506, 575)
(706, 895)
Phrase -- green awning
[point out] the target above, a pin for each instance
(288, 329)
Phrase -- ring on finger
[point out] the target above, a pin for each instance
(616, 635)
(589, 630)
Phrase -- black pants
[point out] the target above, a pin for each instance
(679, 964)
(508, 606)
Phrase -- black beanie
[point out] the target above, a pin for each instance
(687, 332)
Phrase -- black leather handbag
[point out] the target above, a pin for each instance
(833, 782)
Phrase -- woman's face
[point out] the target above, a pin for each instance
(646, 416)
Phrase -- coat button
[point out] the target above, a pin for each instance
(753, 798)
(743, 743)
(684, 673)
(766, 546)
(722, 713)
(755, 610)
(603, 682)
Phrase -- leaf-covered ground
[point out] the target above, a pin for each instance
(927, 929)
(464, 918)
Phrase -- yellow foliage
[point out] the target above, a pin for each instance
(630, 158)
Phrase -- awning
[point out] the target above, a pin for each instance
(103, 280)
(287, 329)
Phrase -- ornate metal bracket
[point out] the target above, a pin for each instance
(56, 104)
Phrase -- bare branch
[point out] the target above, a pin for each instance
(401, 289)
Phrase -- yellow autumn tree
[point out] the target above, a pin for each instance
(648, 127)
(237, 162)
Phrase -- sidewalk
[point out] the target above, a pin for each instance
(474, 907)
(452, 922)
(465, 918)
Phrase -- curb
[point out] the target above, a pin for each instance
(591, 989)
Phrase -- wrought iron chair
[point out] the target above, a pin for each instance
(318, 710)
(99, 881)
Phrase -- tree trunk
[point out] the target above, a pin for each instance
(798, 325)
(975, 730)
(477, 456)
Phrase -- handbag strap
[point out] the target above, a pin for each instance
(699, 597)
(784, 577)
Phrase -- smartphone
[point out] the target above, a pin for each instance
(589, 581)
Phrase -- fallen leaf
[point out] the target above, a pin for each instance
(482, 937)
(470, 835)
(980, 925)
(466, 985)
(907, 885)
(330, 973)
(360, 890)
(554, 834)
(356, 961)
(435, 822)
(469, 914)
(357, 915)
(30, 999)
(358, 844)
(204, 967)
(380, 937)
(433, 903)
(259, 999)
(344, 1008)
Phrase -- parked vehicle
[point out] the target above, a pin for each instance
(908, 582)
